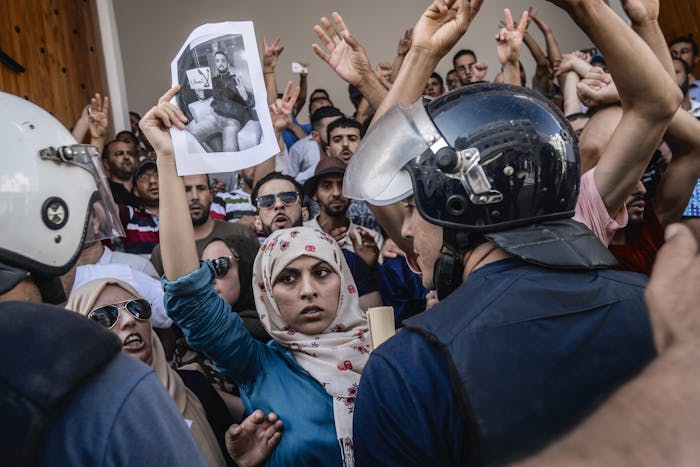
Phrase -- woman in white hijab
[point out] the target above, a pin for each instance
(309, 373)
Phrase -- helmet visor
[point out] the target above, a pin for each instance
(375, 173)
(103, 220)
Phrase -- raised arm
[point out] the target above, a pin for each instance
(649, 99)
(303, 85)
(281, 114)
(553, 51)
(401, 51)
(644, 18)
(98, 120)
(176, 233)
(344, 54)
(681, 176)
(271, 53)
(436, 32)
(509, 41)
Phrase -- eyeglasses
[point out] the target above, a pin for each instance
(145, 177)
(287, 197)
(222, 264)
(107, 315)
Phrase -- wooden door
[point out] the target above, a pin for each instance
(57, 42)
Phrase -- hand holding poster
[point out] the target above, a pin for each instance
(223, 96)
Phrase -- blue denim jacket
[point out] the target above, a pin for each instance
(267, 375)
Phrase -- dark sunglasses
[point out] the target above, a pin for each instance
(107, 315)
(287, 197)
(222, 264)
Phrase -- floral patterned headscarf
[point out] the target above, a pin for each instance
(337, 356)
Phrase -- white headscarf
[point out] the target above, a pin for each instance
(337, 356)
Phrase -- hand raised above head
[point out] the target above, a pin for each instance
(281, 109)
(157, 122)
(405, 43)
(509, 40)
(443, 24)
(342, 52)
(98, 116)
(271, 53)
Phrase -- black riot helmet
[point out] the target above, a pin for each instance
(486, 162)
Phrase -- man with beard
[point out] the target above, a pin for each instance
(326, 188)
(235, 205)
(206, 229)
(141, 223)
(231, 104)
(278, 198)
(119, 162)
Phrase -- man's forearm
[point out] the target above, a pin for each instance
(651, 33)
(372, 90)
(654, 93)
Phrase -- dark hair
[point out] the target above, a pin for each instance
(134, 114)
(324, 112)
(127, 132)
(246, 248)
(689, 39)
(221, 52)
(686, 67)
(576, 116)
(437, 76)
(342, 122)
(320, 90)
(274, 176)
(320, 98)
(451, 71)
(462, 52)
(105, 150)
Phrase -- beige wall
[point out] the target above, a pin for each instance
(151, 32)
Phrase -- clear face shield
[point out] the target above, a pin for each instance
(103, 220)
(378, 174)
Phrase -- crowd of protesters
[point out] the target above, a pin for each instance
(247, 293)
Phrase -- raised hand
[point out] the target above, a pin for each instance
(281, 109)
(157, 122)
(479, 70)
(366, 248)
(597, 88)
(383, 70)
(509, 40)
(405, 43)
(271, 53)
(544, 27)
(253, 441)
(343, 53)
(443, 24)
(98, 119)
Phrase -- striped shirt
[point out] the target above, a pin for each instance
(232, 205)
(141, 227)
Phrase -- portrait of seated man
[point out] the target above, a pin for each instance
(223, 113)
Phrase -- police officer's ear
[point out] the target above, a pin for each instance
(315, 136)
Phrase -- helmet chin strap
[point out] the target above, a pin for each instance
(448, 269)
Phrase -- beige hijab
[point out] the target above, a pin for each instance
(83, 301)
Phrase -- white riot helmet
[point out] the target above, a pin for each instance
(53, 193)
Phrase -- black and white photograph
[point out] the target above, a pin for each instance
(227, 130)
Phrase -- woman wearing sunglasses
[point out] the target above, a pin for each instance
(306, 298)
(118, 307)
